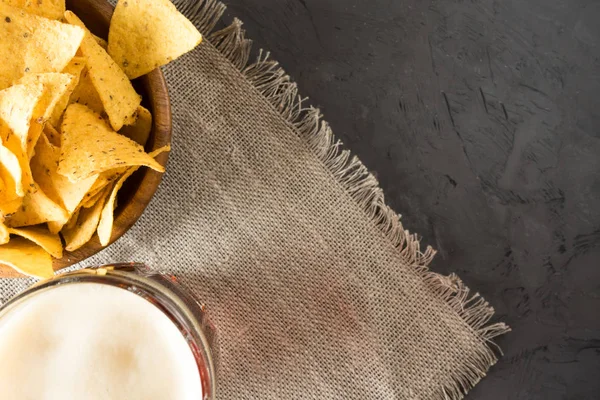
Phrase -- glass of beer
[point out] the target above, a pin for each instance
(120, 331)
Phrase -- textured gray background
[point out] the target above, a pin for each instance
(482, 121)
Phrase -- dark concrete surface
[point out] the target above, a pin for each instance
(481, 119)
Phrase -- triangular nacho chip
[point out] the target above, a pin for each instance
(118, 96)
(86, 225)
(140, 130)
(105, 226)
(17, 106)
(57, 88)
(145, 34)
(90, 147)
(58, 188)
(36, 208)
(86, 94)
(30, 44)
(27, 258)
(40, 235)
(53, 9)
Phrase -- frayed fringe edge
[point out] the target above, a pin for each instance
(277, 87)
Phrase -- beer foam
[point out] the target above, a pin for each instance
(95, 342)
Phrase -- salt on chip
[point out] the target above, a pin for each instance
(90, 147)
(53, 9)
(105, 226)
(118, 96)
(32, 44)
(57, 88)
(86, 225)
(27, 258)
(40, 235)
(145, 34)
(140, 130)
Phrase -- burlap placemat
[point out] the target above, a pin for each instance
(316, 289)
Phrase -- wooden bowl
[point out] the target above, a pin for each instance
(139, 189)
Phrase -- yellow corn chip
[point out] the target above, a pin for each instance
(57, 187)
(73, 220)
(57, 88)
(90, 147)
(145, 34)
(40, 235)
(85, 93)
(4, 234)
(74, 68)
(105, 226)
(107, 217)
(85, 227)
(52, 134)
(140, 130)
(36, 209)
(53, 9)
(17, 106)
(89, 202)
(11, 174)
(27, 258)
(103, 43)
(118, 96)
(30, 44)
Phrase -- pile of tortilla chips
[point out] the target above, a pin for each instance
(72, 127)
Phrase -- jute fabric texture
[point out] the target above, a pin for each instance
(316, 289)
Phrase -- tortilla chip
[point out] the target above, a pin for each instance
(40, 235)
(73, 220)
(90, 147)
(74, 68)
(103, 43)
(57, 88)
(32, 44)
(53, 9)
(159, 151)
(37, 208)
(17, 106)
(89, 202)
(140, 130)
(57, 187)
(105, 226)
(145, 34)
(12, 176)
(27, 258)
(4, 234)
(87, 222)
(52, 134)
(85, 93)
(118, 96)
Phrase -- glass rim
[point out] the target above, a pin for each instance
(161, 290)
